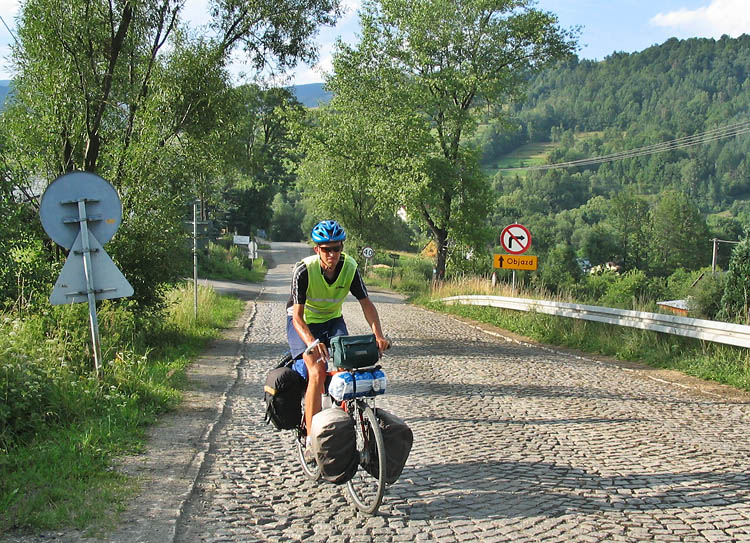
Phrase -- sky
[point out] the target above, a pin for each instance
(607, 26)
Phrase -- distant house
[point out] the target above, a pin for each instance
(584, 264)
(613, 266)
(608, 267)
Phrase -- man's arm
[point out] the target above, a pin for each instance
(373, 319)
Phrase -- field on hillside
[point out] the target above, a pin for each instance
(531, 154)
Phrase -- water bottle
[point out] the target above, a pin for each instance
(345, 385)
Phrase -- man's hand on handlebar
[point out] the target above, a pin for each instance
(383, 344)
(318, 351)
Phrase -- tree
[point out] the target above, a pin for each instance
(735, 302)
(287, 216)
(419, 72)
(629, 217)
(679, 234)
(122, 90)
(561, 268)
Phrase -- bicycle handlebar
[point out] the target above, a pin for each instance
(312, 346)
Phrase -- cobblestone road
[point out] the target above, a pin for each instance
(511, 443)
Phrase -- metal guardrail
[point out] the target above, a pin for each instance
(719, 332)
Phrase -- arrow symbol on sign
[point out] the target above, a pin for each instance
(501, 261)
(517, 239)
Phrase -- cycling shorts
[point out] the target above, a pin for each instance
(320, 330)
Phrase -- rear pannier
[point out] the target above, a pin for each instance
(398, 439)
(283, 395)
(334, 443)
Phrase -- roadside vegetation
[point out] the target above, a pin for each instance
(225, 261)
(61, 427)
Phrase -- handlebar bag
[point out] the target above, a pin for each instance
(351, 352)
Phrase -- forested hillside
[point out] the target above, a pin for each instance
(612, 210)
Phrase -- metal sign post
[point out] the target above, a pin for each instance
(195, 261)
(195, 246)
(99, 213)
(89, 273)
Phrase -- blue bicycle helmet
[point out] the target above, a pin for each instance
(328, 231)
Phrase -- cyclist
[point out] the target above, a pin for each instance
(320, 283)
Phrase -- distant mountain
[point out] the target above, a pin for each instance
(4, 90)
(312, 94)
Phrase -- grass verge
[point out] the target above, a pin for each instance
(62, 427)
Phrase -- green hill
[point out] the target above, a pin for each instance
(667, 92)
(679, 91)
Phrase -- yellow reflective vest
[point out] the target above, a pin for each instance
(323, 301)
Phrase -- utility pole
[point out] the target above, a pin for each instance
(716, 242)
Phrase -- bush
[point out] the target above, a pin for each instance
(629, 289)
(60, 425)
(45, 368)
(705, 300)
(735, 301)
(593, 286)
(233, 263)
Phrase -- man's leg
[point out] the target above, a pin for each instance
(316, 378)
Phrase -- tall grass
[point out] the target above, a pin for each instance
(61, 427)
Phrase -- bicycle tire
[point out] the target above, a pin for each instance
(367, 490)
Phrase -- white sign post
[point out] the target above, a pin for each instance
(81, 211)
(368, 253)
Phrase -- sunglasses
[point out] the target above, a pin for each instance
(336, 249)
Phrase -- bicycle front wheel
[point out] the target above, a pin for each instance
(367, 486)
(311, 469)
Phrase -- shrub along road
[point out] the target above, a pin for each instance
(513, 442)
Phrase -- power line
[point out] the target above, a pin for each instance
(9, 30)
(708, 136)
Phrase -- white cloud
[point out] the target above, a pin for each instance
(350, 8)
(720, 17)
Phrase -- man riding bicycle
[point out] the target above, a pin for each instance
(320, 283)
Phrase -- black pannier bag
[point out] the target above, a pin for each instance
(351, 352)
(334, 443)
(398, 439)
(283, 395)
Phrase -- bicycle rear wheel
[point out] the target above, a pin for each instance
(367, 486)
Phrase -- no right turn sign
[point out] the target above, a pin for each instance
(515, 239)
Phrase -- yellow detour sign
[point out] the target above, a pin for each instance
(515, 262)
